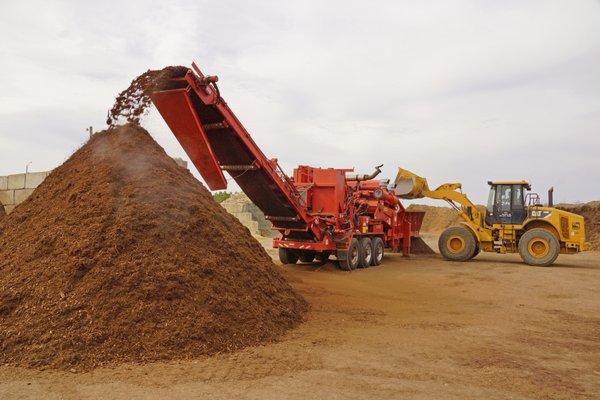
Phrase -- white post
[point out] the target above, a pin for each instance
(26, 172)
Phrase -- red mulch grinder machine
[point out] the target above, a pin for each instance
(319, 212)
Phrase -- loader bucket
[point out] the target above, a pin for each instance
(409, 185)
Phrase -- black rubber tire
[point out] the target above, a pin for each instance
(287, 256)
(366, 252)
(462, 236)
(307, 256)
(352, 258)
(378, 251)
(547, 239)
(477, 251)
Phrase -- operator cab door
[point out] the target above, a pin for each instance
(506, 205)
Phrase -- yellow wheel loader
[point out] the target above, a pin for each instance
(513, 221)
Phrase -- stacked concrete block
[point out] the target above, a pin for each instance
(14, 189)
(247, 219)
(240, 206)
(181, 162)
(7, 197)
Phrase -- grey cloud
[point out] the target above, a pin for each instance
(458, 91)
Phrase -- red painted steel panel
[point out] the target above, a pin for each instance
(317, 210)
(176, 109)
(416, 220)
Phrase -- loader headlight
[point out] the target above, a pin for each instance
(575, 226)
(378, 193)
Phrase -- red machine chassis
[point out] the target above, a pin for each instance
(318, 210)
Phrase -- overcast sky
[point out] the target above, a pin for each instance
(454, 90)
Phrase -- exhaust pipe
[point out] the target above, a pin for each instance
(358, 178)
(551, 197)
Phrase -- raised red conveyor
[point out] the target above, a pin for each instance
(216, 141)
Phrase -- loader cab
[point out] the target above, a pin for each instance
(506, 202)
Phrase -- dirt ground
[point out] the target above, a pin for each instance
(417, 328)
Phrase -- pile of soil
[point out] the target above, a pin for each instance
(120, 255)
(436, 219)
(132, 103)
(591, 214)
(419, 246)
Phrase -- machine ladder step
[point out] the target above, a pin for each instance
(278, 218)
(216, 125)
(239, 167)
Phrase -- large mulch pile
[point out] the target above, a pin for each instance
(120, 255)
(591, 214)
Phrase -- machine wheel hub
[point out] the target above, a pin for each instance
(368, 255)
(379, 254)
(538, 247)
(354, 255)
(456, 244)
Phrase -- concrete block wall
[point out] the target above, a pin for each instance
(240, 206)
(14, 189)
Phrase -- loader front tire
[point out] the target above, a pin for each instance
(477, 251)
(539, 247)
(287, 256)
(457, 243)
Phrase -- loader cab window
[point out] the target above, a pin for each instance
(517, 192)
(505, 205)
(503, 198)
(518, 205)
(491, 198)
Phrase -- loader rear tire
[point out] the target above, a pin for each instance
(539, 247)
(378, 250)
(366, 252)
(287, 256)
(352, 259)
(457, 243)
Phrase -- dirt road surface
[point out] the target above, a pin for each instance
(419, 329)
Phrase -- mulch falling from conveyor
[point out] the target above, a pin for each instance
(132, 103)
(120, 255)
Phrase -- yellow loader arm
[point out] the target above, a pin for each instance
(408, 185)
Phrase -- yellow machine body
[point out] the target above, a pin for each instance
(568, 228)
